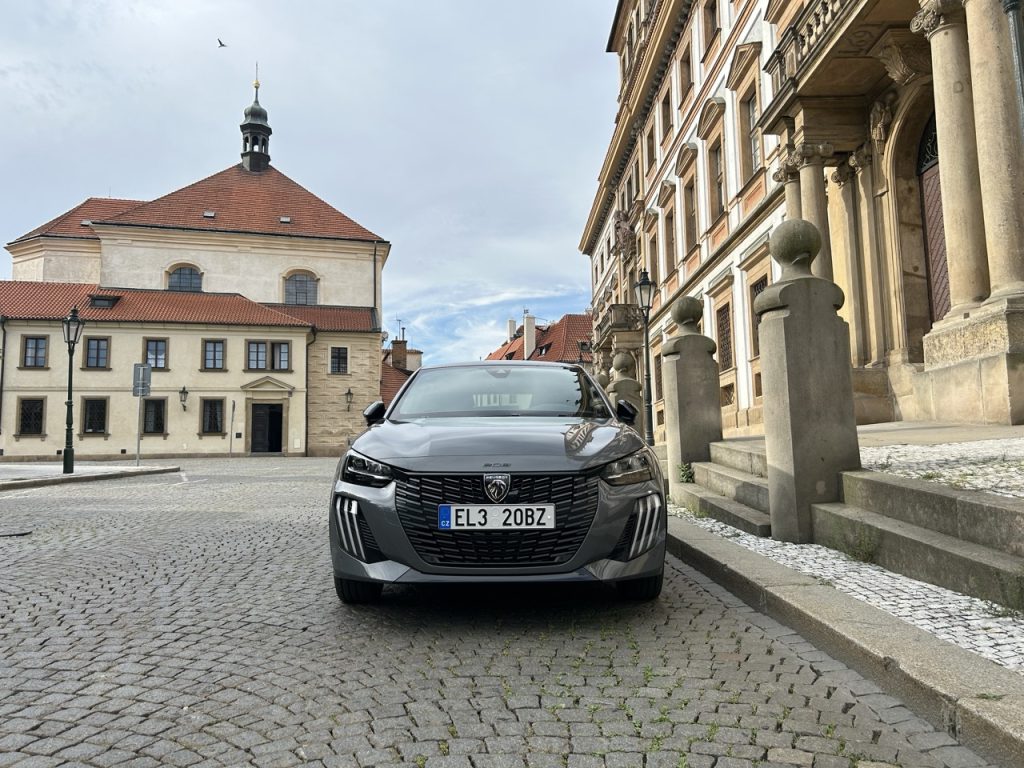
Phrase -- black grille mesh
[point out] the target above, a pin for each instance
(418, 496)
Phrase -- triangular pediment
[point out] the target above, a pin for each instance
(744, 57)
(268, 384)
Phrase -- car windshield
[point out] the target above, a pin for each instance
(500, 390)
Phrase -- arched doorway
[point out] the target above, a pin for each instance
(931, 214)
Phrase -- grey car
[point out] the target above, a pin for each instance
(498, 472)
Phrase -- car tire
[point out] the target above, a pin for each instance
(355, 592)
(646, 588)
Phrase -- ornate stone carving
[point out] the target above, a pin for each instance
(860, 158)
(904, 54)
(810, 153)
(842, 174)
(625, 240)
(881, 119)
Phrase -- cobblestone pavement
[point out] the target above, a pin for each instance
(190, 620)
(996, 466)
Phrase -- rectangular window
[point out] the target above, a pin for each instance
(339, 359)
(213, 354)
(153, 417)
(724, 321)
(213, 417)
(756, 289)
(257, 355)
(280, 354)
(685, 72)
(690, 204)
(30, 416)
(754, 139)
(649, 146)
(716, 170)
(710, 23)
(666, 114)
(156, 353)
(97, 353)
(34, 352)
(653, 259)
(94, 416)
(659, 387)
(670, 241)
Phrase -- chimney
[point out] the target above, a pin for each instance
(529, 335)
(415, 359)
(511, 329)
(398, 353)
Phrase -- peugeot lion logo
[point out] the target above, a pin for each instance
(496, 486)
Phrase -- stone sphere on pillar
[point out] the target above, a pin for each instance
(623, 364)
(687, 312)
(794, 244)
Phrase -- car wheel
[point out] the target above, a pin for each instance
(351, 592)
(647, 588)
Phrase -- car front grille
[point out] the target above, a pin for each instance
(575, 498)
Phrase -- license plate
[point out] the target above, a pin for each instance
(494, 517)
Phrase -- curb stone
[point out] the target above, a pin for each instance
(37, 482)
(975, 700)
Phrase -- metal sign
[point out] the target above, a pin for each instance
(141, 378)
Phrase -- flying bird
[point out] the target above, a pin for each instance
(221, 43)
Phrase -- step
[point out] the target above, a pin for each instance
(745, 455)
(703, 503)
(974, 516)
(734, 484)
(921, 553)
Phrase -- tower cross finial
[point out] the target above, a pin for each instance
(256, 82)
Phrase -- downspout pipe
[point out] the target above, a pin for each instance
(311, 342)
(1012, 10)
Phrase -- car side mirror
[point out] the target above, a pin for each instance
(626, 412)
(374, 413)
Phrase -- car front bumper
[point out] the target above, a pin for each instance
(370, 543)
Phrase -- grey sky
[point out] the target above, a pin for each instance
(469, 133)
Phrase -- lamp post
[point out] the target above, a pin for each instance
(73, 326)
(645, 298)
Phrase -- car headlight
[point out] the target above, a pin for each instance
(360, 470)
(635, 468)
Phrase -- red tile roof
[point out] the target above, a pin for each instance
(562, 336)
(69, 224)
(246, 201)
(328, 318)
(28, 300)
(391, 380)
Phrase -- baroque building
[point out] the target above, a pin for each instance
(256, 304)
(876, 120)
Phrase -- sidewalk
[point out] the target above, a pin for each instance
(17, 474)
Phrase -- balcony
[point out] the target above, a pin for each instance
(618, 317)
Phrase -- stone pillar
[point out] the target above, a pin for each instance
(814, 203)
(810, 429)
(624, 385)
(942, 22)
(999, 145)
(693, 413)
(787, 174)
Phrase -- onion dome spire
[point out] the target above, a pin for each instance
(256, 134)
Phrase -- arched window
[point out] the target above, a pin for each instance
(185, 279)
(300, 288)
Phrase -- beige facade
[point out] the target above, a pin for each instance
(888, 125)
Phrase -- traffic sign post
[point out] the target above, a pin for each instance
(142, 376)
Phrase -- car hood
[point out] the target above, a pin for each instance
(509, 444)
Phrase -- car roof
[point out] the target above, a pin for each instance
(503, 363)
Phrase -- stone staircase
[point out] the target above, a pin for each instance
(967, 541)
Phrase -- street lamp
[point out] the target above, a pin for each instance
(349, 396)
(645, 298)
(73, 326)
(183, 397)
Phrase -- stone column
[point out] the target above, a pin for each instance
(787, 174)
(999, 145)
(693, 413)
(875, 289)
(810, 429)
(847, 261)
(943, 23)
(813, 202)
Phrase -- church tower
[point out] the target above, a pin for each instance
(256, 135)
